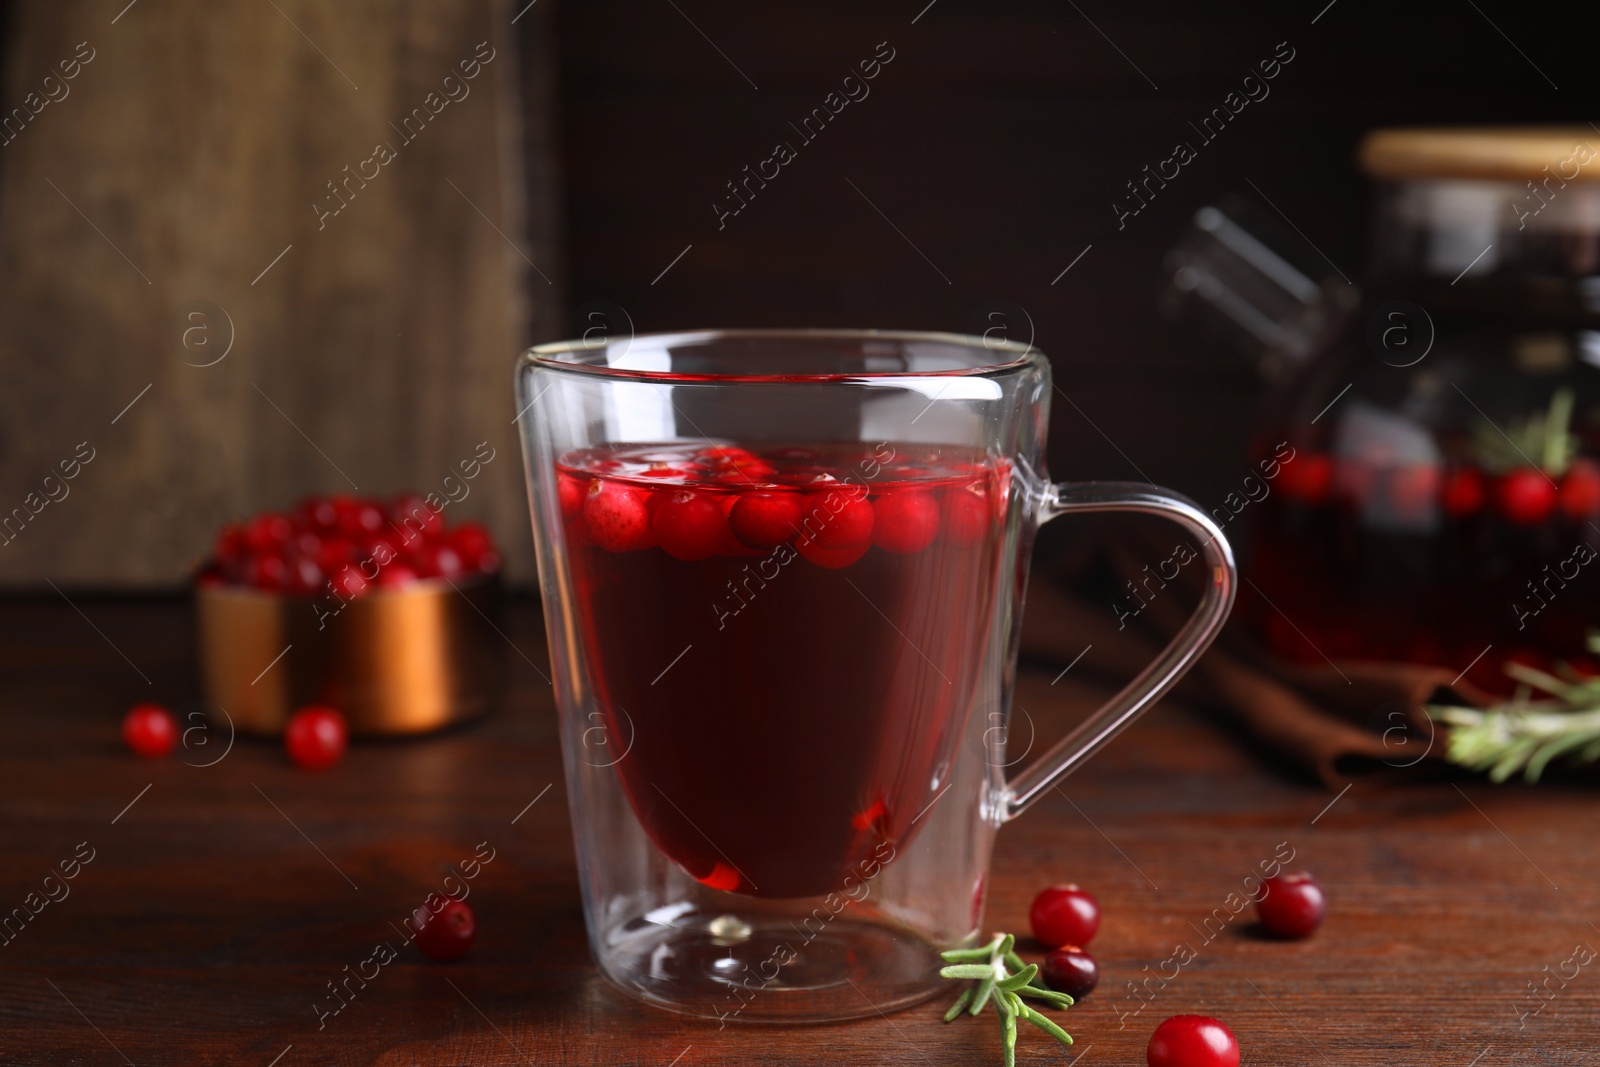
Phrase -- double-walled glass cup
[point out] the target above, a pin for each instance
(782, 574)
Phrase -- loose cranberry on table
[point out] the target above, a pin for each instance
(1525, 496)
(1064, 915)
(315, 738)
(1192, 1041)
(445, 927)
(1293, 905)
(1071, 970)
(149, 730)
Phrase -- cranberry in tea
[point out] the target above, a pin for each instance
(784, 641)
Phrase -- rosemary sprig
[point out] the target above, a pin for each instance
(1002, 977)
(1543, 438)
(1525, 734)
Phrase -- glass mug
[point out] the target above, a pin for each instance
(782, 575)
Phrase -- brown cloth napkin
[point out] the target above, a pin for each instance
(1335, 721)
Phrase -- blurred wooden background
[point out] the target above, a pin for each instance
(982, 163)
(370, 350)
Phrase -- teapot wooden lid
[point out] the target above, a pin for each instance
(1483, 153)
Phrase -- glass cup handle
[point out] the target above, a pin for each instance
(1173, 662)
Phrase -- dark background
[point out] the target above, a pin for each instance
(997, 140)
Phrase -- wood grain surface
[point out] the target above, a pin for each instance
(185, 170)
(221, 899)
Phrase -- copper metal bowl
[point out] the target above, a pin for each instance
(393, 661)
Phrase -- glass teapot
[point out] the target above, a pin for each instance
(1440, 500)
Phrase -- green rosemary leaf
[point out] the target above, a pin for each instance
(1513, 758)
(1537, 679)
(1553, 748)
(981, 954)
(1522, 735)
(1060, 1000)
(1001, 976)
(981, 998)
(1008, 1032)
(1046, 1025)
(1020, 979)
(967, 955)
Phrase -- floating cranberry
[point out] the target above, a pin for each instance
(1464, 492)
(967, 514)
(831, 558)
(725, 452)
(1071, 970)
(746, 471)
(837, 518)
(1307, 477)
(1580, 490)
(149, 730)
(571, 492)
(617, 515)
(445, 927)
(315, 737)
(765, 520)
(1064, 915)
(1192, 1041)
(1525, 496)
(905, 520)
(1292, 905)
(731, 545)
(689, 525)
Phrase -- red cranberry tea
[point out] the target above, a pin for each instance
(788, 639)
(1473, 544)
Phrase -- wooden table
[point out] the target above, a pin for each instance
(221, 900)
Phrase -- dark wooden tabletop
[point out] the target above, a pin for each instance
(220, 900)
